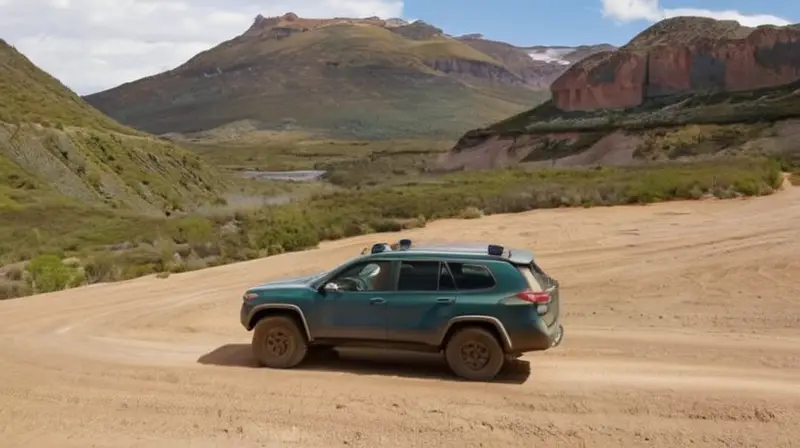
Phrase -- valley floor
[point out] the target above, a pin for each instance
(682, 329)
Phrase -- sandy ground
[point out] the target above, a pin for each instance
(682, 329)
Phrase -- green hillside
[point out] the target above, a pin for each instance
(347, 78)
(54, 147)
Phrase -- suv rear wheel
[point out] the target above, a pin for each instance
(474, 354)
(278, 342)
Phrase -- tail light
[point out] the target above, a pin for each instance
(539, 298)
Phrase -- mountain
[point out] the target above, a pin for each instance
(367, 78)
(55, 149)
(682, 55)
(538, 66)
(684, 87)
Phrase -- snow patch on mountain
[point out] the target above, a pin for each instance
(552, 55)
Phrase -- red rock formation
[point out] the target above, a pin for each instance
(608, 79)
(764, 57)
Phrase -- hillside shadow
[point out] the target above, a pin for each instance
(366, 362)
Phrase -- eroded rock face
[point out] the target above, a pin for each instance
(477, 69)
(766, 57)
(605, 80)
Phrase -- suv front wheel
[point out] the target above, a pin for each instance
(474, 354)
(278, 343)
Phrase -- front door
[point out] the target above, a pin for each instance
(424, 302)
(357, 310)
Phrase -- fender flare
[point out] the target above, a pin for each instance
(495, 322)
(280, 306)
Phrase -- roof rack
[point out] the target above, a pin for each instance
(402, 244)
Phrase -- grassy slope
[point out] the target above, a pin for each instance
(353, 80)
(768, 104)
(70, 153)
(30, 95)
(71, 177)
(694, 126)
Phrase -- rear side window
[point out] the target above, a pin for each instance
(469, 276)
(419, 276)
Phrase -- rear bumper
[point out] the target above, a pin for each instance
(537, 338)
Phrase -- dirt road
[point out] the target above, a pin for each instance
(683, 329)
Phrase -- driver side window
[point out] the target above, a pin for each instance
(365, 277)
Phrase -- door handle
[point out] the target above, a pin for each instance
(446, 300)
(377, 300)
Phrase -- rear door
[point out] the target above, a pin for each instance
(424, 301)
(539, 281)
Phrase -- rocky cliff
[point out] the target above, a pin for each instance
(476, 69)
(681, 55)
(683, 88)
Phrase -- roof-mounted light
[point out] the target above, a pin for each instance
(496, 250)
(404, 244)
(379, 248)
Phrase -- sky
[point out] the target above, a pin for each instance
(93, 45)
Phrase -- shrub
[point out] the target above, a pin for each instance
(470, 213)
(192, 230)
(48, 274)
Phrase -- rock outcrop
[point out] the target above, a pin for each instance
(476, 69)
(681, 55)
(418, 30)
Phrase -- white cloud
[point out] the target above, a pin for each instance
(651, 10)
(91, 45)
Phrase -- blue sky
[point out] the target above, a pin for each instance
(568, 22)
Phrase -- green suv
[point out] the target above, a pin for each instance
(480, 306)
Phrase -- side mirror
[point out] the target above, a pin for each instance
(330, 287)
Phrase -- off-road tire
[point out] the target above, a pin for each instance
(474, 354)
(278, 343)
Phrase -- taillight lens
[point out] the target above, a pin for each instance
(539, 298)
(249, 296)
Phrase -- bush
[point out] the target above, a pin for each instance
(48, 274)
(192, 230)
(12, 290)
(101, 268)
(470, 213)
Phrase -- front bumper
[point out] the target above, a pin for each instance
(244, 315)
